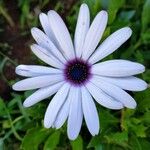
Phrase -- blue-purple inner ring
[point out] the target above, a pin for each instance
(77, 72)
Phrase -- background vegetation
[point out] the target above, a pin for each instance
(23, 128)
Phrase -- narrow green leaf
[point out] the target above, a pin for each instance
(140, 130)
(77, 144)
(145, 144)
(146, 37)
(52, 141)
(2, 108)
(135, 143)
(109, 122)
(146, 118)
(127, 15)
(94, 6)
(145, 15)
(114, 6)
(117, 138)
(34, 138)
(95, 143)
(143, 100)
(1, 144)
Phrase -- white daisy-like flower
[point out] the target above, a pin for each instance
(75, 74)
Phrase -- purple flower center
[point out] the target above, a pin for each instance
(77, 71)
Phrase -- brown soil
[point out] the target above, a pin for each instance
(19, 45)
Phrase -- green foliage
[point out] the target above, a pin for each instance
(33, 138)
(113, 8)
(77, 144)
(22, 128)
(52, 141)
(145, 15)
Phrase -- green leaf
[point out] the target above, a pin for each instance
(135, 143)
(127, 15)
(28, 93)
(77, 144)
(52, 141)
(140, 130)
(1, 144)
(114, 6)
(34, 138)
(112, 147)
(107, 123)
(145, 15)
(126, 116)
(146, 36)
(2, 108)
(106, 34)
(36, 111)
(94, 6)
(143, 100)
(95, 142)
(146, 118)
(139, 143)
(117, 138)
(145, 144)
(139, 56)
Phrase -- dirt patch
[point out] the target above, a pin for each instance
(19, 49)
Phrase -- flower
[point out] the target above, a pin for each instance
(75, 74)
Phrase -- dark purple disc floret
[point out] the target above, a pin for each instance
(77, 71)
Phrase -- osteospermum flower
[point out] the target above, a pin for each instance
(75, 73)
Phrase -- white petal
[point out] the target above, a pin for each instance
(117, 68)
(61, 34)
(115, 92)
(37, 82)
(81, 29)
(43, 40)
(102, 98)
(33, 70)
(113, 42)
(63, 113)
(75, 114)
(55, 105)
(46, 26)
(90, 112)
(94, 34)
(127, 83)
(41, 94)
(45, 56)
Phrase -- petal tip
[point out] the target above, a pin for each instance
(84, 5)
(46, 124)
(26, 104)
(33, 30)
(71, 134)
(53, 126)
(52, 12)
(19, 67)
(95, 132)
(57, 126)
(132, 106)
(42, 17)
(142, 68)
(129, 30)
(71, 137)
(104, 13)
(33, 47)
(42, 14)
(145, 86)
(14, 87)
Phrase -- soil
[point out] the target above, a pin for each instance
(19, 45)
